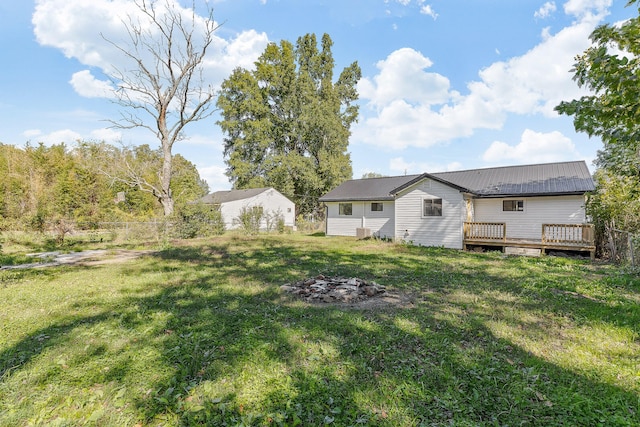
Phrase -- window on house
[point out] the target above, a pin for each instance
(432, 207)
(513, 205)
(376, 207)
(345, 209)
(288, 210)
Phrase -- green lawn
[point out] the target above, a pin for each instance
(200, 333)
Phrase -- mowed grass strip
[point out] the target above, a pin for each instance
(199, 334)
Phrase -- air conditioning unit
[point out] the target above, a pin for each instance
(362, 233)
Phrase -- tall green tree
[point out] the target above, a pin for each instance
(610, 70)
(287, 122)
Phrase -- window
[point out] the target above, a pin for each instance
(432, 207)
(513, 205)
(345, 209)
(376, 207)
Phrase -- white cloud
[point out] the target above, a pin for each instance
(31, 133)
(401, 166)
(546, 10)
(428, 10)
(402, 76)
(406, 105)
(106, 135)
(79, 29)
(413, 107)
(538, 80)
(587, 9)
(85, 84)
(67, 136)
(70, 137)
(215, 177)
(534, 147)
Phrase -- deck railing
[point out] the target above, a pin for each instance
(485, 230)
(568, 233)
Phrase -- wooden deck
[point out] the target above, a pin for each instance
(561, 237)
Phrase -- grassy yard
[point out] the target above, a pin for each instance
(200, 334)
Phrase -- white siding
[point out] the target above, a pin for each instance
(273, 203)
(343, 225)
(537, 211)
(380, 223)
(445, 230)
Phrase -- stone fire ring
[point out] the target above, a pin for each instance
(324, 289)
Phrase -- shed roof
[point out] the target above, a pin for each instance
(231, 195)
(546, 179)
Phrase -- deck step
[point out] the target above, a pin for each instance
(512, 250)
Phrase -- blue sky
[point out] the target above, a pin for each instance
(447, 84)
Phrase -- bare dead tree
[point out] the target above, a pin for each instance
(164, 89)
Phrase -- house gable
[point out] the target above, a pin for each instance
(430, 212)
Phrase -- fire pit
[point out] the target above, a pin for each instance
(334, 289)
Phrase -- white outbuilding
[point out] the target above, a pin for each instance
(270, 201)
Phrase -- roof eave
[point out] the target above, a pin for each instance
(558, 193)
(356, 199)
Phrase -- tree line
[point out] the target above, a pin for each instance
(90, 182)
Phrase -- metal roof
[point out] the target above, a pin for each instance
(526, 180)
(546, 179)
(231, 195)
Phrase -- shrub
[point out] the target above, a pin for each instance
(199, 220)
(275, 221)
(250, 219)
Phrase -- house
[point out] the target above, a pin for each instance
(272, 203)
(532, 206)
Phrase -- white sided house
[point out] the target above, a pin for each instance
(528, 207)
(269, 200)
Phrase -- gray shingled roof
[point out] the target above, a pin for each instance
(526, 180)
(231, 195)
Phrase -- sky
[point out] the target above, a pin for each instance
(446, 84)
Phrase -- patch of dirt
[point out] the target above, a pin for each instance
(84, 258)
